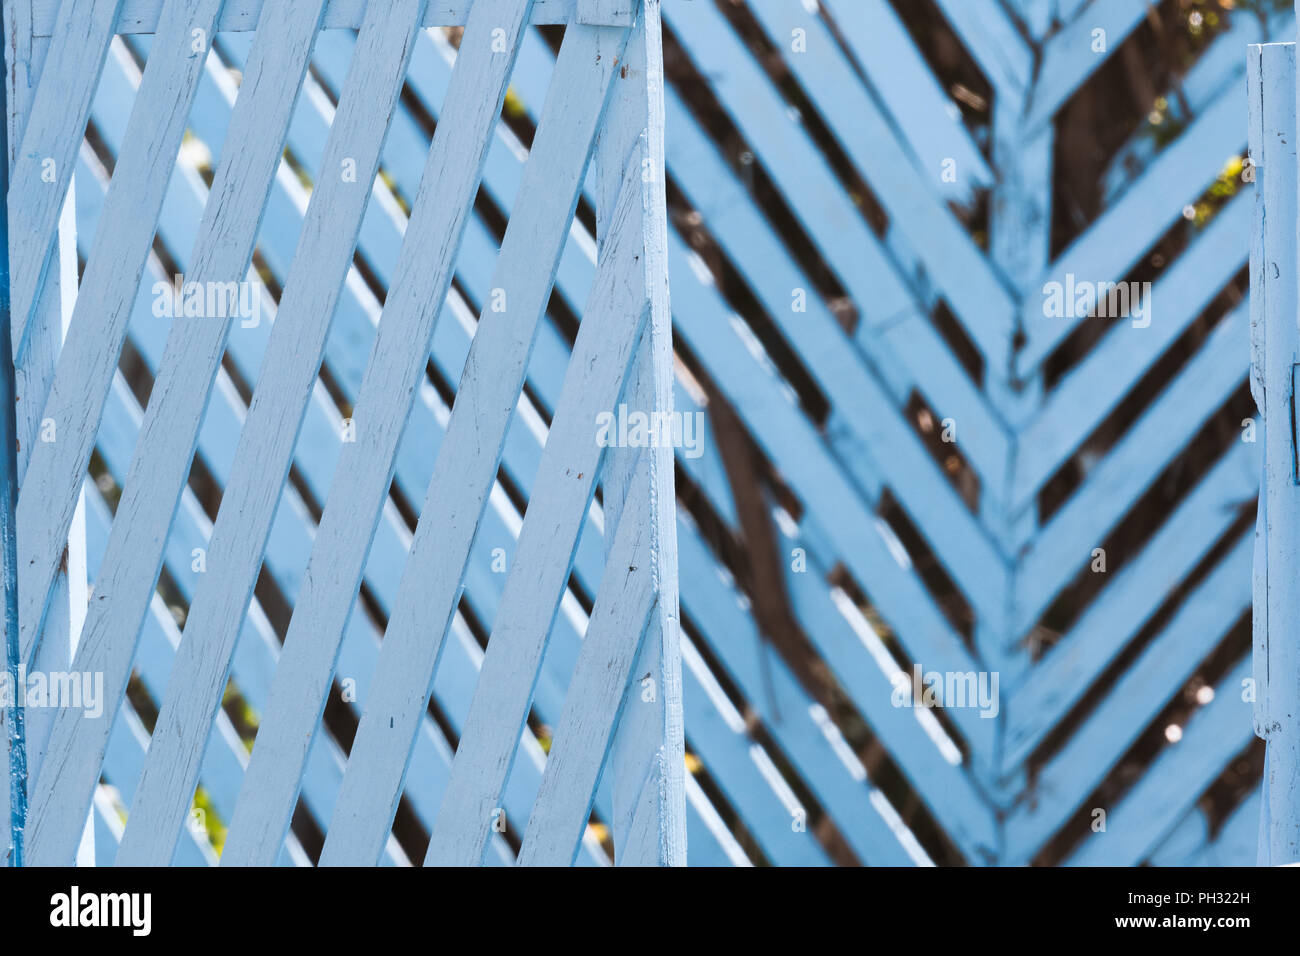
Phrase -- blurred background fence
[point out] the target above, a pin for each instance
(911, 462)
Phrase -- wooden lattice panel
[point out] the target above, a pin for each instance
(890, 456)
(606, 79)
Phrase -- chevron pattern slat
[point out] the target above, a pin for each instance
(896, 463)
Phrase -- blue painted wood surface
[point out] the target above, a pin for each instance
(15, 723)
(555, 750)
(1275, 352)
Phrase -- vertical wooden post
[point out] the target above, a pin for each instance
(33, 374)
(17, 744)
(1020, 224)
(647, 761)
(1275, 357)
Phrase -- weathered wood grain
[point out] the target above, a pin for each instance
(468, 457)
(613, 319)
(420, 283)
(98, 323)
(598, 695)
(647, 753)
(169, 431)
(266, 442)
(42, 168)
(1273, 283)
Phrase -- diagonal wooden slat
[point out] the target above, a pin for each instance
(647, 754)
(597, 694)
(895, 69)
(614, 317)
(1177, 176)
(886, 564)
(1214, 607)
(266, 441)
(224, 756)
(846, 640)
(319, 785)
(1094, 387)
(961, 271)
(381, 577)
(1070, 668)
(819, 345)
(42, 170)
(699, 576)
(993, 40)
(470, 452)
(163, 455)
(450, 178)
(1070, 56)
(1236, 843)
(1180, 775)
(127, 747)
(1065, 546)
(98, 323)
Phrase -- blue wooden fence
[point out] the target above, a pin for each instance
(607, 78)
(937, 477)
(1275, 348)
